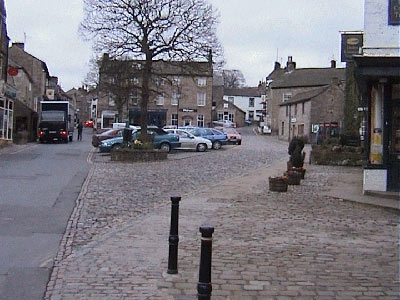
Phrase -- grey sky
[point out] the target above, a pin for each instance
(252, 32)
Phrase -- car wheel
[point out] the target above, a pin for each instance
(165, 147)
(201, 147)
(217, 145)
(239, 143)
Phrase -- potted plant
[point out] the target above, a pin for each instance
(278, 184)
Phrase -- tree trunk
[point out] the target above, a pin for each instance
(145, 96)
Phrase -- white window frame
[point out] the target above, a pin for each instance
(175, 98)
(174, 119)
(160, 99)
(111, 99)
(251, 102)
(201, 99)
(286, 97)
(7, 124)
(134, 97)
(176, 80)
(201, 81)
(200, 120)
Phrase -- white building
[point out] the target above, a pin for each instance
(247, 99)
(378, 75)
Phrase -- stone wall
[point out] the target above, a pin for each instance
(337, 156)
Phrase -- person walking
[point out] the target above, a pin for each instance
(80, 127)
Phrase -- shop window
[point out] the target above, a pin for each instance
(376, 131)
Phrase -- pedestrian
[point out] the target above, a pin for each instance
(80, 127)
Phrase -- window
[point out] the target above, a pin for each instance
(287, 97)
(160, 81)
(226, 105)
(135, 80)
(6, 119)
(202, 81)
(251, 102)
(251, 115)
(200, 120)
(174, 119)
(160, 99)
(134, 97)
(175, 98)
(176, 80)
(201, 99)
(302, 108)
(283, 128)
(231, 99)
(287, 110)
(187, 122)
(111, 99)
(220, 116)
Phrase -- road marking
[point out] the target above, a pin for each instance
(90, 156)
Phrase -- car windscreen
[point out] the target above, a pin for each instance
(53, 115)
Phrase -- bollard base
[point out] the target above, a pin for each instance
(171, 271)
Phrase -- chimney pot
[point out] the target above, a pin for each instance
(333, 63)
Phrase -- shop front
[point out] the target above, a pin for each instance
(379, 82)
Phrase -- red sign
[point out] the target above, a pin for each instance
(12, 71)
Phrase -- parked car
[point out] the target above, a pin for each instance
(216, 137)
(108, 134)
(224, 123)
(159, 138)
(234, 137)
(88, 123)
(191, 142)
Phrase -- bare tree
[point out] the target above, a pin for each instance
(233, 78)
(149, 30)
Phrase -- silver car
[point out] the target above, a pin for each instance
(190, 142)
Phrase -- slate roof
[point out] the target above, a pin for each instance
(308, 77)
(244, 92)
(301, 97)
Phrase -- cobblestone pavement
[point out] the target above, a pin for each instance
(295, 245)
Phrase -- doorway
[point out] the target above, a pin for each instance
(394, 140)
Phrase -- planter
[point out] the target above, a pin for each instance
(302, 171)
(294, 178)
(278, 184)
(134, 155)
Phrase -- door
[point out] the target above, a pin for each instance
(394, 141)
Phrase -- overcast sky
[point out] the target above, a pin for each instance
(254, 34)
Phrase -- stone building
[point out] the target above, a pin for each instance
(7, 91)
(285, 83)
(180, 93)
(377, 72)
(82, 99)
(313, 114)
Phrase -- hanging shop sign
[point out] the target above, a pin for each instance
(351, 45)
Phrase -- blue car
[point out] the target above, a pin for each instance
(160, 139)
(216, 137)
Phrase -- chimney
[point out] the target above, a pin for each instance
(19, 45)
(277, 66)
(106, 56)
(333, 63)
(290, 65)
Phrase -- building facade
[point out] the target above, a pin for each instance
(314, 115)
(180, 94)
(378, 76)
(284, 83)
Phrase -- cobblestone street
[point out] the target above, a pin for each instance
(267, 245)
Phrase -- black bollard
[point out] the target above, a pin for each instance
(173, 237)
(204, 286)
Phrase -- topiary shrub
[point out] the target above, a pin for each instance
(296, 153)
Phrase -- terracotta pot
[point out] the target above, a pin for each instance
(294, 178)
